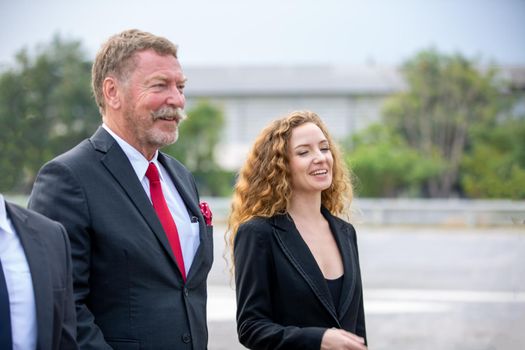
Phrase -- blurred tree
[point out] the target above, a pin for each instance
(446, 97)
(198, 138)
(385, 166)
(495, 167)
(45, 108)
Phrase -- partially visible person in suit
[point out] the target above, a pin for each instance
(141, 247)
(37, 310)
(296, 264)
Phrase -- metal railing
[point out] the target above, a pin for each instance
(452, 212)
(404, 211)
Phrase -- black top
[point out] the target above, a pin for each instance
(335, 289)
(283, 300)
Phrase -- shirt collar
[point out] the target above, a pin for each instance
(4, 224)
(138, 161)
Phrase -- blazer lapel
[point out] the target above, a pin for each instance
(300, 256)
(346, 248)
(185, 193)
(192, 206)
(118, 165)
(38, 265)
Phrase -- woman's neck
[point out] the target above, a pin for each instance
(305, 207)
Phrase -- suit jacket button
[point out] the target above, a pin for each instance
(186, 338)
(186, 291)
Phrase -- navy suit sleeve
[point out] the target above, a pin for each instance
(253, 275)
(57, 195)
(69, 326)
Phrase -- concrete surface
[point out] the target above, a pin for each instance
(425, 288)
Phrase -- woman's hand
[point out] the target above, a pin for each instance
(339, 339)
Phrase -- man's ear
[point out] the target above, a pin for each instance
(112, 92)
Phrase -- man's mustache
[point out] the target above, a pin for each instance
(169, 113)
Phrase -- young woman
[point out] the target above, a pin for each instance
(296, 264)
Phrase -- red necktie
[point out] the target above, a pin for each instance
(161, 207)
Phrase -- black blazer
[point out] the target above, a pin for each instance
(129, 291)
(48, 255)
(283, 301)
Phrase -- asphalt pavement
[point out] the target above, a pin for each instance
(425, 288)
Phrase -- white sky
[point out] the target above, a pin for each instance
(230, 32)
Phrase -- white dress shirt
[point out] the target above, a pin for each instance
(19, 285)
(187, 227)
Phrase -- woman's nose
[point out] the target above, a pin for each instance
(319, 156)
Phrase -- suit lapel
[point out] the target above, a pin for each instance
(346, 248)
(182, 188)
(192, 206)
(38, 265)
(300, 256)
(118, 165)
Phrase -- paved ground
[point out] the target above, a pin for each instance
(425, 288)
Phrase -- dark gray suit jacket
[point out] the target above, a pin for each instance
(129, 292)
(48, 255)
(283, 301)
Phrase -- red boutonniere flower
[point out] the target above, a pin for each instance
(206, 212)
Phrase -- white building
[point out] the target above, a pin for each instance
(346, 98)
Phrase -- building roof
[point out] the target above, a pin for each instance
(307, 80)
(288, 80)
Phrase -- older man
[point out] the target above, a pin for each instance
(141, 247)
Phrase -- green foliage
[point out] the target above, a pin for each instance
(385, 166)
(496, 166)
(447, 96)
(45, 109)
(198, 137)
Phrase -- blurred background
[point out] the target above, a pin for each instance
(426, 99)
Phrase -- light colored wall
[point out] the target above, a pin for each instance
(246, 116)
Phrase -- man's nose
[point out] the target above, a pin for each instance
(176, 98)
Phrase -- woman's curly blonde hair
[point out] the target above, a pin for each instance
(263, 187)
